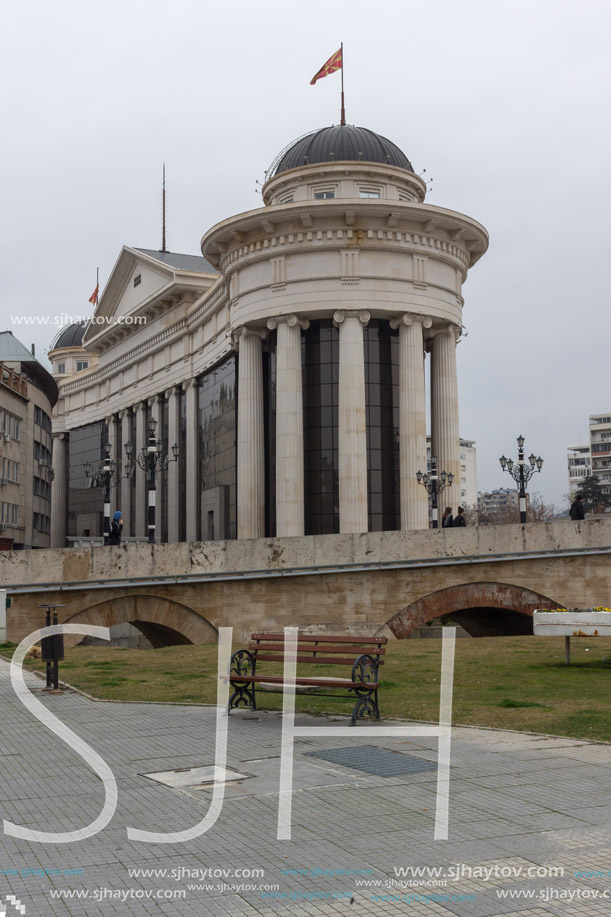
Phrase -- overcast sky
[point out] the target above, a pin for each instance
(505, 105)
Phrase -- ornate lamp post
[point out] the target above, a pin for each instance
(434, 485)
(152, 459)
(104, 477)
(522, 472)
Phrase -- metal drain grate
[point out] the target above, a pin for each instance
(381, 762)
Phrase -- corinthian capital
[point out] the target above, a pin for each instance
(291, 320)
(409, 318)
(342, 314)
(244, 331)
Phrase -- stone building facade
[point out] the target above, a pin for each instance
(289, 364)
(27, 395)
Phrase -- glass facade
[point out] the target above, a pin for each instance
(162, 481)
(382, 406)
(132, 480)
(320, 362)
(85, 503)
(217, 447)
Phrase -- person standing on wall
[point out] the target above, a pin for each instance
(577, 510)
(447, 520)
(116, 528)
(460, 520)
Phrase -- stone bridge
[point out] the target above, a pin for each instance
(488, 578)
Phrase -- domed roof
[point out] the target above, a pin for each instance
(70, 336)
(339, 144)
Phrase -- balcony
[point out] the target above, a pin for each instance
(12, 379)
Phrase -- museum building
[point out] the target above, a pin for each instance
(289, 364)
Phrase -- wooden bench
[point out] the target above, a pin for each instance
(362, 654)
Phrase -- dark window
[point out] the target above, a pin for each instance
(137, 280)
(217, 422)
(81, 364)
(43, 419)
(86, 445)
(382, 405)
(163, 478)
(61, 368)
(132, 480)
(269, 389)
(323, 195)
(320, 359)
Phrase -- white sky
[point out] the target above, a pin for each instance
(505, 105)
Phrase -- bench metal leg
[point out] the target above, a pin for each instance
(567, 650)
(243, 696)
(366, 705)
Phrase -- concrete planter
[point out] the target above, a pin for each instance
(569, 624)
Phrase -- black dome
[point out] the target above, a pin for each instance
(70, 336)
(339, 144)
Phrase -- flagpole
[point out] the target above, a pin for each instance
(163, 248)
(343, 112)
(97, 288)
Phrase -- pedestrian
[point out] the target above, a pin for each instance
(116, 528)
(460, 520)
(447, 520)
(577, 510)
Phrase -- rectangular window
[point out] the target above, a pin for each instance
(137, 280)
(61, 368)
(81, 364)
(323, 195)
(364, 193)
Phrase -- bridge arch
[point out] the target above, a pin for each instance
(483, 609)
(163, 621)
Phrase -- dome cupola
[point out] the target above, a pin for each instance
(345, 162)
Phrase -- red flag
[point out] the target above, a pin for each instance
(94, 296)
(334, 63)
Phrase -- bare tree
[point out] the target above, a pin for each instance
(536, 511)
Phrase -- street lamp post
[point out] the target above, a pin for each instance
(522, 472)
(104, 477)
(152, 460)
(434, 485)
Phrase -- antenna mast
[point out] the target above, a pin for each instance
(343, 111)
(163, 248)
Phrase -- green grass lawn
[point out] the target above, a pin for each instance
(506, 682)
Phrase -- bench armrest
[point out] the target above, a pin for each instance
(365, 669)
(243, 662)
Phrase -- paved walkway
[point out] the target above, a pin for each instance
(519, 804)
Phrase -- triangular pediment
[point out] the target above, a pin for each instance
(140, 281)
(134, 280)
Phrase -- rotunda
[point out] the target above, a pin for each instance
(339, 288)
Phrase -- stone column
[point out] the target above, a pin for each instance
(172, 473)
(352, 422)
(59, 491)
(126, 437)
(192, 496)
(160, 482)
(114, 438)
(445, 437)
(140, 528)
(251, 449)
(289, 426)
(412, 420)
